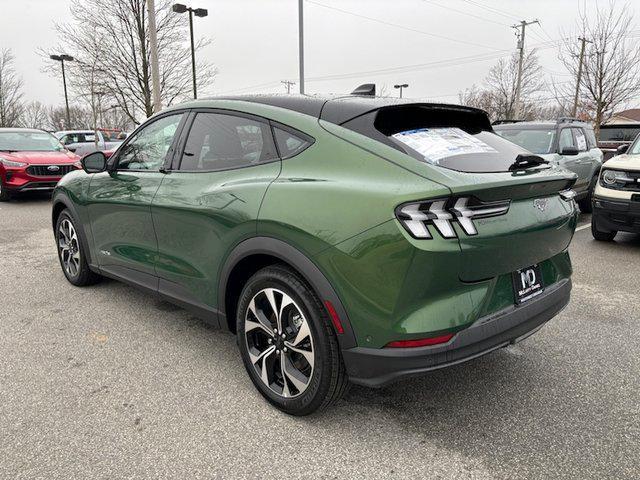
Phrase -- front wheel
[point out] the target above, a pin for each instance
(287, 343)
(599, 235)
(71, 252)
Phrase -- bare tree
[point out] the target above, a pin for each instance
(34, 115)
(611, 68)
(80, 118)
(116, 43)
(10, 91)
(498, 95)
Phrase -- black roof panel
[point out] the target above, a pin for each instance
(340, 108)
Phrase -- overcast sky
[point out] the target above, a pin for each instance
(255, 42)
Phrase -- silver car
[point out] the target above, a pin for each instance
(82, 142)
(566, 142)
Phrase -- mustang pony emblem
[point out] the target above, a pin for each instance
(540, 204)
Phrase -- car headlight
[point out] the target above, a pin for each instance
(11, 163)
(611, 177)
(442, 213)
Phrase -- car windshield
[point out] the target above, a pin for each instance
(539, 141)
(634, 149)
(17, 141)
(618, 134)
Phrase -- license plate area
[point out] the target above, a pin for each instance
(527, 283)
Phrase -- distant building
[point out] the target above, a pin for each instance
(626, 116)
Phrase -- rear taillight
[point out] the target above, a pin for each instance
(417, 217)
(420, 342)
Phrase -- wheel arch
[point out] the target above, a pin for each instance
(62, 202)
(258, 252)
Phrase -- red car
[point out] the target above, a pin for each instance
(32, 160)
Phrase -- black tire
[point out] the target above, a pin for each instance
(80, 275)
(585, 204)
(327, 381)
(599, 235)
(5, 196)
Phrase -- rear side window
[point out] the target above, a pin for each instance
(221, 141)
(591, 138)
(581, 140)
(290, 144)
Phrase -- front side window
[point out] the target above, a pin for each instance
(147, 149)
(566, 139)
(538, 141)
(220, 141)
(581, 140)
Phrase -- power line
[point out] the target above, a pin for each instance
(384, 22)
(493, 9)
(466, 13)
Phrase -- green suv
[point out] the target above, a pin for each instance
(343, 239)
(567, 143)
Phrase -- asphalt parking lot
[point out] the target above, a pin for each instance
(108, 382)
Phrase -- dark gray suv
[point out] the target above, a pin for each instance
(569, 143)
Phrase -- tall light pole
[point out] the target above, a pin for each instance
(61, 58)
(401, 86)
(153, 50)
(198, 12)
(301, 44)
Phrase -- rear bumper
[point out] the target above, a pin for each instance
(617, 214)
(377, 367)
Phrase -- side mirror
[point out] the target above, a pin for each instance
(569, 151)
(622, 149)
(95, 162)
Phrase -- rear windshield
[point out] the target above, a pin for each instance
(455, 149)
(452, 137)
(539, 141)
(618, 134)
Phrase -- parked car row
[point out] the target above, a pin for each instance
(35, 160)
(82, 142)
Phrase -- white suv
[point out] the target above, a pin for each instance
(616, 199)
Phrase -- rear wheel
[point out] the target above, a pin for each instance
(585, 204)
(287, 343)
(71, 253)
(599, 235)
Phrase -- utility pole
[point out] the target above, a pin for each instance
(153, 46)
(404, 85)
(522, 26)
(301, 44)
(584, 41)
(288, 84)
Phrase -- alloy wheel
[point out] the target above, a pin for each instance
(69, 247)
(279, 342)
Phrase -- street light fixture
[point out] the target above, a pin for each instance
(62, 58)
(198, 12)
(401, 86)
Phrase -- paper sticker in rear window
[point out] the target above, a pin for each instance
(438, 143)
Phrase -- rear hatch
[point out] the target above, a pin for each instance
(456, 147)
